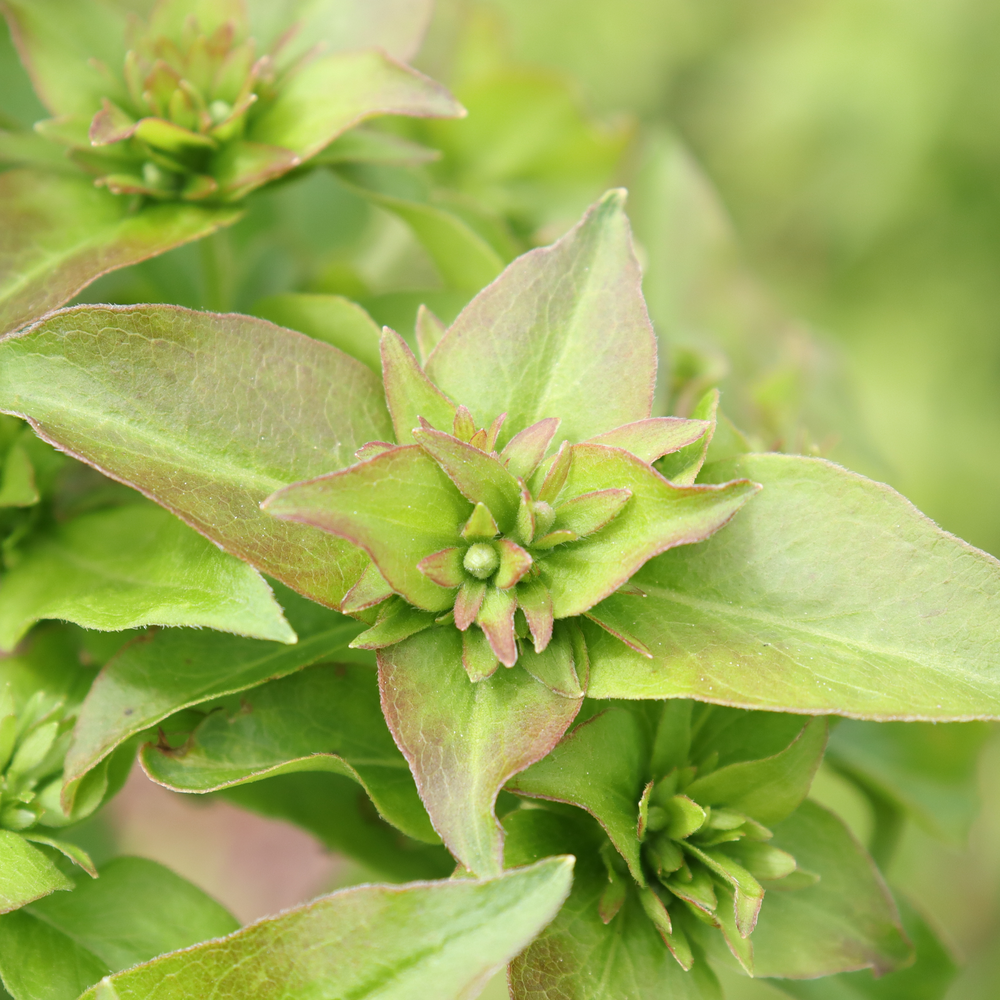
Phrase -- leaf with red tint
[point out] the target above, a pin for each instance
(535, 601)
(653, 438)
(589, 512)
(444, 567)
(658, 516)
(206, 414)
(399, 507)
(463, 741)
(496, 619)
(58, 233)
(514, 563)
(409, 392)
(528, 447)
(480, 477)
(562, 332)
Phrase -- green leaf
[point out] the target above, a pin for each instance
(464, 741)
(130, 566)
(17, 486)
(658, 516)
(323, 718)
(562, 332)
(337, 811)
(927, 769)
(59, 41)
(160, 674)
(362, 145)
(900, 625)
(653, 438)
(443, 940)
(26, 873)
(409, 393)
(578, 955)
(334, 92)
(683, 466)
(397, 26)
(57, 947)
(601, 767)
(770, 789)
(206, 414)
(399, 507)
(58, 233)
(331, 318)
(463, 258)
(927, 979)
(845, 921)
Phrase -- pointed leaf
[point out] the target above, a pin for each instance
(240, 166)
(334, 92)
(159, 674)
(398, 506)
(141, 392)
(651, 439)
(370, 590)
(409, 392)
(589, 512)
(577, 954)
(528, 447)
(682, 467)
(553, 474)
(555, 666)
(748, 891)
(478, 657)
(762, 617)
(847, 920)
(496, 619)
(535, 601)
(322, 718)
(514, 563)
(130, 566)
(429, 330)
(396, 621)
(74, 852)
(444, 567)
(442, 939)
(69, 941)
(331, 318)
(480, 527)
(464, 741)
(657, 517)
(58, 40)
(563, 331)
(59, 233)
(600, 767)
(767, 790)
(479, 476)
(26, 873)
(468, 602)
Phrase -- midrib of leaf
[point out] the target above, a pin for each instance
(741, 611)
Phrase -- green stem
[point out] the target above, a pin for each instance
(217, 271)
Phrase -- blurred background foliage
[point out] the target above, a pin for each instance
(815, 192)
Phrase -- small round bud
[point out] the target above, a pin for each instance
(219, 111)
(545, 517)
(481, 560)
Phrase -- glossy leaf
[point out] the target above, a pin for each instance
(331, 93)
(464, 741)
(658, 516)
(900, 625)
(442, 939)
(331, 318)
(601, 767)
(399, 506)
(26, 873)
(578, 955)
(847, 920)
(130, 566)
(59, 233)
(206, 414)
(159, 674)
(770, 789)
(324, 718)
(651, 439)
(562, 332)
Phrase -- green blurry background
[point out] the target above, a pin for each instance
(815, 190)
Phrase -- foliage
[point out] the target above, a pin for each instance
(461, 599)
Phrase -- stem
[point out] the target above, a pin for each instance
(217, 271)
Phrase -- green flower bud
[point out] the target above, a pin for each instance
(481, 560)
